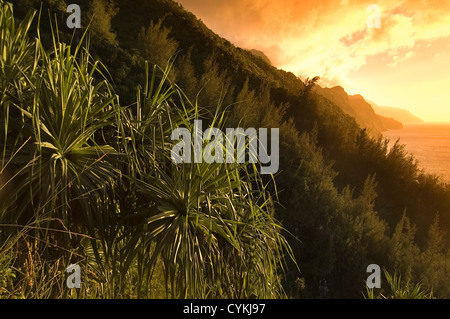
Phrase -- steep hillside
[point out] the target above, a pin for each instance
(262, 55)
(404, 116)
(191, 33)
(343, 196)
(390, 123)
(357, 107)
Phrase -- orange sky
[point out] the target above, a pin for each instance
(405, 63)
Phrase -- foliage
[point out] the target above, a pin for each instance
(215, 89)
(399, 289)
(100, 15)
(7, 275)
(404, 249)
(93, 184)
(157, 46)
(345, 199)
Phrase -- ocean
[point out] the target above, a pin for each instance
(429, 143)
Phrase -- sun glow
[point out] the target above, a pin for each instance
(404, 63)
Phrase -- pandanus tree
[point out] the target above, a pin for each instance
(104, 171)
(64, 121)
(16, 67)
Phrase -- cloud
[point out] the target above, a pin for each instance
(397, 59)
(325, 37)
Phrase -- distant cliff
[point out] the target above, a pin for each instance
(357, 107)
(404, 116)
(261, 55)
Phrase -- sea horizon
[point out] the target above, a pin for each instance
(429, 143)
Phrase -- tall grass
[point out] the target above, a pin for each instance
(399, 289)
(86, 180)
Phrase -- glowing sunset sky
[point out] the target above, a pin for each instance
(405, 63)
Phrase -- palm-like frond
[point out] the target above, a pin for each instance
(79, 160)
(68, 159)
(210, 226)
(399, 289)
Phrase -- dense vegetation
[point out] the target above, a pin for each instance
(85, 166)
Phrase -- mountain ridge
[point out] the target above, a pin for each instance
(262, 55)
(339, 187)
(357, 107)
(403, 115)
